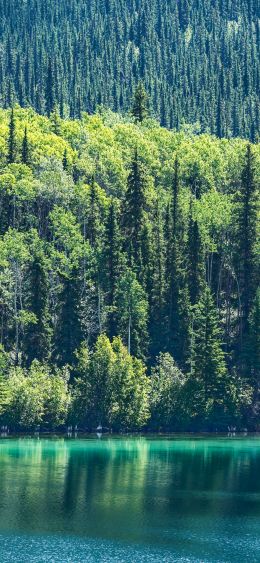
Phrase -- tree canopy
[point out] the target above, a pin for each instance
(129, 262)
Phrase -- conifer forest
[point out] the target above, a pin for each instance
(199, 59)
(129, 215)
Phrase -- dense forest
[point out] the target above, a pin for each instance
(199, 59)
(128, 274)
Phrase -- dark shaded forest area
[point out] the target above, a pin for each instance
(199, 59)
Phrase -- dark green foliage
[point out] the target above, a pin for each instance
(140, 105)
(25, 148)
(11, 139)
(157, 290)
(195, 270)
(134, 212)
(176, 297)
(112, 264)
(208, 368)
(49, 92)
(37, 340)
(68, 333)
(198, 60)
(246, 238)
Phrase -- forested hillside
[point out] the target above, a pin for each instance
(128, 275)
(199, 59)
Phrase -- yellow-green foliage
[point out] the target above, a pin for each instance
(102, 146)
(106, 146)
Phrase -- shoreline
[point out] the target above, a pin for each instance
(132, 435)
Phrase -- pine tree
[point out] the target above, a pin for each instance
(37, 338)
(140, 104)
(12, 139)
(246, 237)
(208, 367)
(195, 262)
(25, 148)
(134, 212)
(49, 92)
(112, 264)
(175, 282)
(157, 291)
(68, 333)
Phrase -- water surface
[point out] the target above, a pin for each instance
(130, 500)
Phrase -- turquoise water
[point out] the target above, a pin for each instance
(130, 500)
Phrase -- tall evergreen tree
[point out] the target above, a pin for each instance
(68, 333)
(195, 262)
(49, 92)
(208, 367)
(112, 264)
(134, 212)
(25, 148)
(12, 139)
(175, 286)
(246, 237)
(37, 340)
(140, 104)
(157, 290)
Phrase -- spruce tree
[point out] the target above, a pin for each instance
(246, 238)
(11, 139)
(157, 291)
(134, 212)
(140, 104)
(195, 262)
(175, 281)
(49, 91)
(25, 148)
(68, 332)
(37, 337)
(112, 264)
(208, 367)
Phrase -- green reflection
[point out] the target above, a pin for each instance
(138, 490)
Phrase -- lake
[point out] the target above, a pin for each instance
(175, 499)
